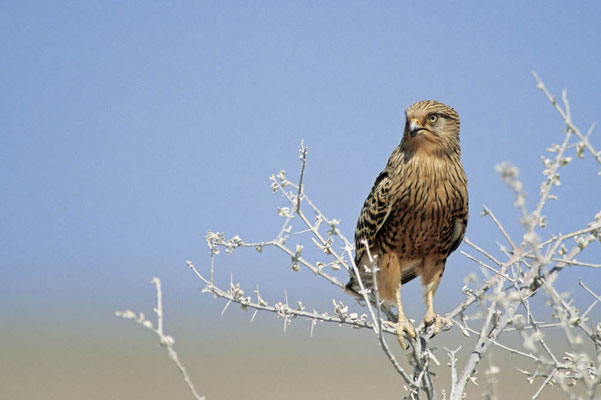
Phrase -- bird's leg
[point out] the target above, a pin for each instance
(403, 324)
(431, 318)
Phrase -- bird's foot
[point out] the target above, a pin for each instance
(402, 326)
(433, 319)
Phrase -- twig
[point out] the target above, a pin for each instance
(166, 341)
(303, 158)
(484, 252)
(378, 317)
(547, 380)
(567, 118)
(487, 211)
(483, 264)
(596, 296)
(282, 309)
(453, 361)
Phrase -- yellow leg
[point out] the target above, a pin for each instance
(431, 318)
(403, 324)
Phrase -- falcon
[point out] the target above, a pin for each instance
(416, 213)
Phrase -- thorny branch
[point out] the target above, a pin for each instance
(165, 340)
(377, 320)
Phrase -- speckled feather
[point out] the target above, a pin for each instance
(417, 208)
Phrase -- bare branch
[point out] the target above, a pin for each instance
(166, 341)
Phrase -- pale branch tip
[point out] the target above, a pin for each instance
(164, 340)
(303, 158)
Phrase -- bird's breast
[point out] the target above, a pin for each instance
(426, 199)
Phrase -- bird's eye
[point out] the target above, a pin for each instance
(432, 118)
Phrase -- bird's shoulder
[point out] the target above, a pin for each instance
(378, 204)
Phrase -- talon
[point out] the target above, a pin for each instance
(434, 319)
(403, 325)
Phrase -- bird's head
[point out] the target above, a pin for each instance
(431, 127)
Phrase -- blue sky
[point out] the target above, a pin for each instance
(129, 129)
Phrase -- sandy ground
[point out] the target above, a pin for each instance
(232, 360)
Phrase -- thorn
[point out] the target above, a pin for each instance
(226, 306)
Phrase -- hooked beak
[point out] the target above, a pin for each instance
(414, 127)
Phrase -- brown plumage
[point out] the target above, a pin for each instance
(416, 213)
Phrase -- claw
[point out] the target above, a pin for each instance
(432, 318)
(402, 326)
(405, 326)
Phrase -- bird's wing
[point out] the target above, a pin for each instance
(458, 233)
(373, 215)
(461, 215)
(408, 273)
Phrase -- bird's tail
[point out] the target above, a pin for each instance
(353, 286)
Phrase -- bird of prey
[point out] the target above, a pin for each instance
(416, 213)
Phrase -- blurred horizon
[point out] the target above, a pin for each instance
(130, 130)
